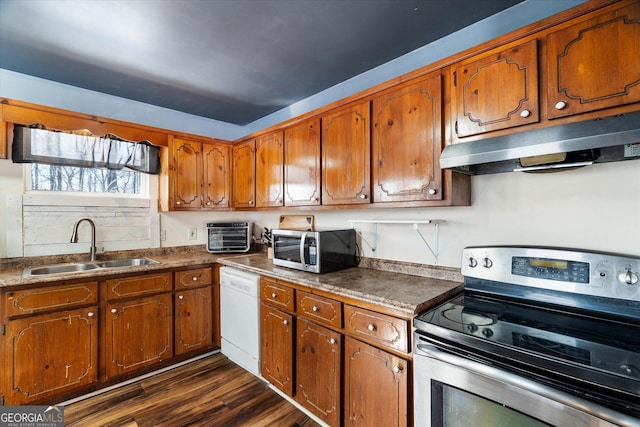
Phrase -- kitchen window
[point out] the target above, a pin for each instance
(80, 162)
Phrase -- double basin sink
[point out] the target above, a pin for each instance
(85, 266)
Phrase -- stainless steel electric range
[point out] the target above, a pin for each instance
(538, 337)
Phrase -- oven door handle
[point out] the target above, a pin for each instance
(302, 240)
(483, 367)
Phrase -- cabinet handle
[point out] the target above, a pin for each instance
(180, 296)
(90, 314)
(363, 196)
(332, 341)
(371, 327)
(397, 369)
(250, 202)
(274, 295)
(285, 322)
(114, 310)
(525, 113)
(194, 278)
(432, 191)
(208, 203)
(315, 308)
(560, 105)
(178, 203)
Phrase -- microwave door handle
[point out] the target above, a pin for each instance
(302, 240)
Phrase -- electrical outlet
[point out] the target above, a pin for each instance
(163, 235)
(193, 233)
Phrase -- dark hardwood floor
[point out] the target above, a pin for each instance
(208, 392)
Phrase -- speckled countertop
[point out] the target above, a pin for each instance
(403, 287)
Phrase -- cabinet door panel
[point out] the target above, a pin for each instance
(193, 322)
(595, 64)
(276, 348)
(407, 142)
(217, 176)
(128, 287)
(499, 91)
(49, 298)
(318, 373)
(269, 170)
(244, 171)
(51, 353)
(137, 333)
(302, 164)
(375, 386)
(346, 156)
(186, 190)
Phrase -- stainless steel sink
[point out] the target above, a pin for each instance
(133, 262)
(85, 266)
(60, 268)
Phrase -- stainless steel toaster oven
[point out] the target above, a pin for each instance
(226, 237)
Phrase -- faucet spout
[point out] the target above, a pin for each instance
(74, 236)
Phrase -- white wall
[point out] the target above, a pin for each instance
(595, 208)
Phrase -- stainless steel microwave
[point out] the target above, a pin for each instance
(226, 237)
(315, 251)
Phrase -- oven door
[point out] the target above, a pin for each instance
(452, 391)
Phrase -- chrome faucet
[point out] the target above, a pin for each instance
(74, 236)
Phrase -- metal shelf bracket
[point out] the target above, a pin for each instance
(414, 223)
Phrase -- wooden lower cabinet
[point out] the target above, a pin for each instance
(137, 333)
(276, 348)
(193, 319)
(50, 354)
(375, 386)
(318, 370)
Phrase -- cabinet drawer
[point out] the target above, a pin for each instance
(277, 295)
(37, 300)
(127, 287)
(193, 278)
(315, 307)
(375, 327)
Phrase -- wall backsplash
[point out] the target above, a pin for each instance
(591, 208)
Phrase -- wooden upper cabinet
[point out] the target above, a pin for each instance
(595, 64)
(346, 156)
(244, 174)
(199, 175)
(187, 174)
(302, 164)
(497, 91)
(216, 186)
(269, 170)
(407, 141)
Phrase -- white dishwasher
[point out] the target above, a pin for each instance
(239, 318)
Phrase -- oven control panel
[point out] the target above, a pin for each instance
(564, 270)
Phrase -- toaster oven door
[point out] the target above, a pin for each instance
(228, 239)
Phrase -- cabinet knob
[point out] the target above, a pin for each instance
(285, 322)
(208, 203)
(397, 369)
(560, 105)
(194, 278)
(525, 113)
(315, 308)
(316, 199)
(178, 203)
(371, 327)
(332, 341)
(180, 296)
(363, 196)
(432, 191)
(274, 295)
(90, 314)
(250, 202)
(114, 310)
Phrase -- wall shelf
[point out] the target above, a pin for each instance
(415, 223)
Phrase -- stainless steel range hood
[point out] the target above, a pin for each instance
(558, 147)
